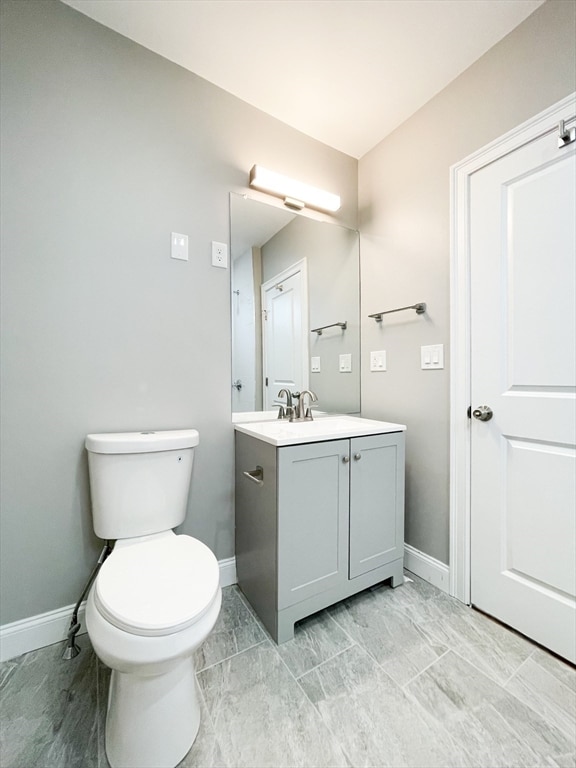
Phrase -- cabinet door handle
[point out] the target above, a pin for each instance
(256, 475)
(346, 459)
(357, 456)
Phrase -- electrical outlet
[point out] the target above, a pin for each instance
(219, 255)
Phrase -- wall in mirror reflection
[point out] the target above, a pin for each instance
(266, 241)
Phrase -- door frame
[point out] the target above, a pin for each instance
(301, 267)
(543, 123)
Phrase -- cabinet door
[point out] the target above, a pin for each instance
(313, 483)
(376, 501)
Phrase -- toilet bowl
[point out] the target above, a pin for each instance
(155, 600)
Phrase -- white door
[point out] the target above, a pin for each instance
(285, 333)
(523, 367)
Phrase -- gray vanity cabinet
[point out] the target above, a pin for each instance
(320, 522)
(312, 520)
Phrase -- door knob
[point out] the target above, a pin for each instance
(357, 456)
(483, 413)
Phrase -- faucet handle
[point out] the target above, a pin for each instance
(284, 412)
(306, 413)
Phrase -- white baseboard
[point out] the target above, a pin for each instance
(52, 627)
(228, 572)
(37, 631)
(428, 568)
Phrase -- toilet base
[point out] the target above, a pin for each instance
(152, 721)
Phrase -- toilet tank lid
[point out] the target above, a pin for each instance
(142, 442)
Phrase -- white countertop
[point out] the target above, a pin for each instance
(240, 417)
(283, 432)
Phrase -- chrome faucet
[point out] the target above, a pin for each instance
(288, 411)
(301, 412)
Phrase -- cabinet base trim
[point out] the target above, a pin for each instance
(287, 617)
(428, 568)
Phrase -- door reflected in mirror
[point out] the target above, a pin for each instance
(295, 297)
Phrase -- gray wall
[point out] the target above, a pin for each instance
(405, 224)
(107, 148)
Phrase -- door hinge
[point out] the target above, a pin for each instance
(266, 380)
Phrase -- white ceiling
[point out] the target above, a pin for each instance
(346, 72)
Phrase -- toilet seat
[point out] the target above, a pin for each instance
(157, 587)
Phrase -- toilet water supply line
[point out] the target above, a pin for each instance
(72, 650)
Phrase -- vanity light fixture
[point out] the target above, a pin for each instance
(296, 194)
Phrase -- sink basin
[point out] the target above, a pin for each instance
(281, 432)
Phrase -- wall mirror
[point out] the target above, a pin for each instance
(295, 293)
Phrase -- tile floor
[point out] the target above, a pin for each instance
(405, 677)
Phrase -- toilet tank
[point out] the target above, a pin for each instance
(139, 481)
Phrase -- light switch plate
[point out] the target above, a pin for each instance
(378, 360)
(179, 246)
(315, 365)
(432, 357)
(345, 363)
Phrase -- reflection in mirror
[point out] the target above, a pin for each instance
(290, 275)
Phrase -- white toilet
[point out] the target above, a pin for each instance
(156, 597)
